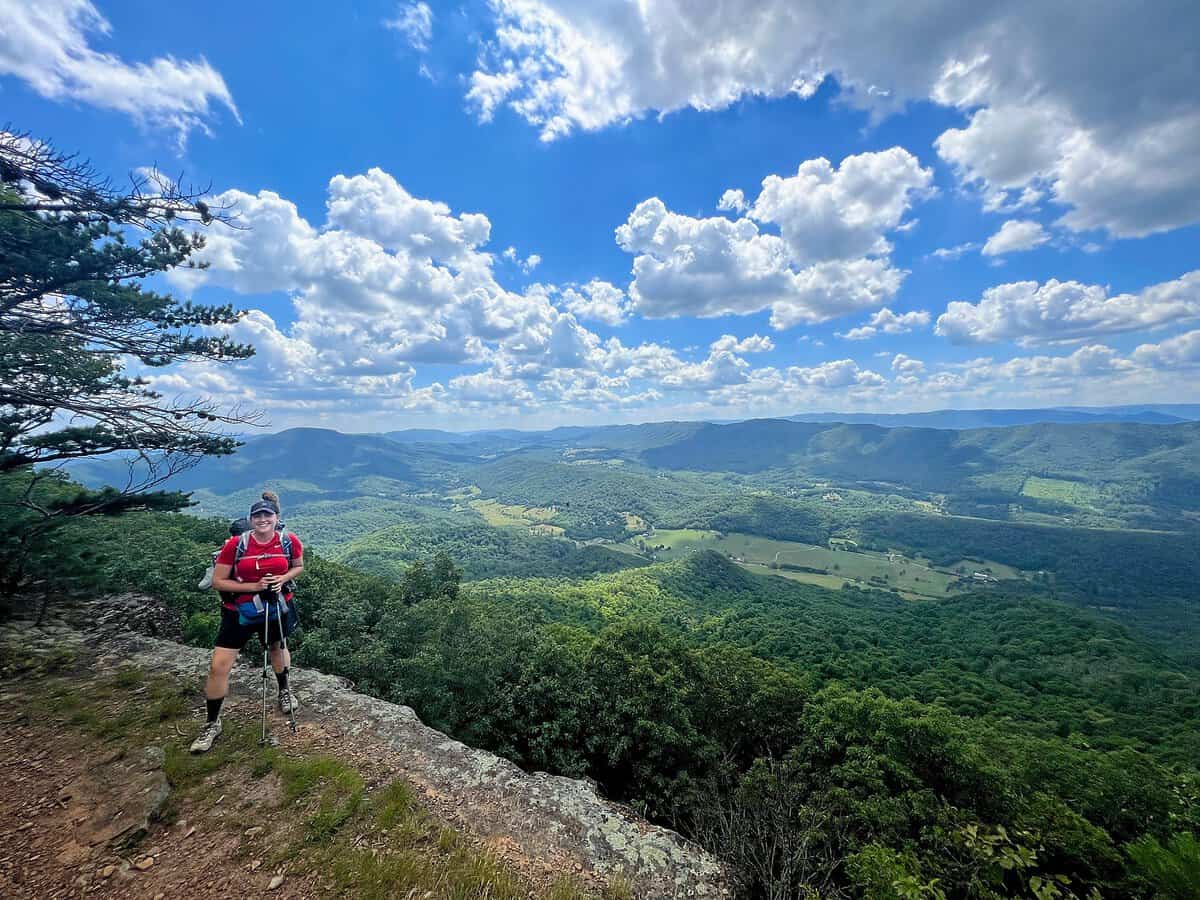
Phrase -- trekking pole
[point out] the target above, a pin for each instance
(283, 641)
(266, 669)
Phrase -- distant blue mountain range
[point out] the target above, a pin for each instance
(955, 419)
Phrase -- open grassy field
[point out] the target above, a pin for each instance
(505, 514)
(833, 582)
(999, 570)
(465, 493)
(1076, 493)
(834, 567)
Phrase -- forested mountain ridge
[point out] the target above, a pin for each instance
(484, 552)
(937, 459)
(1018, 496)
(922, 458)
(955, 419)
(958, 419)
(613, 437)
(326, 459)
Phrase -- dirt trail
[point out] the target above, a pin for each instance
(53, 811)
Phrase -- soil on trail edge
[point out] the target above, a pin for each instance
(544, 826)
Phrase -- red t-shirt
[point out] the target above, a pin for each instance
(257, 561)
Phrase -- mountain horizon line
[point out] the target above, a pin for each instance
(944, 418)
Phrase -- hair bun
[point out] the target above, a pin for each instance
(270, 495)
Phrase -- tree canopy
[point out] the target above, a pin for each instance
(78, 329)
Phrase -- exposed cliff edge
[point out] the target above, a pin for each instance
(553, 823)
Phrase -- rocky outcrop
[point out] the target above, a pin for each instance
(117, 802)
(560, 822)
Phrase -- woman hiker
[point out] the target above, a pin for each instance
(265, 560)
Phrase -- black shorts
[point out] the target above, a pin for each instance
(233, 635)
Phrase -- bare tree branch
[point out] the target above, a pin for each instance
(63, 184)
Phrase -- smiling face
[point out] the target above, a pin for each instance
(263, 523)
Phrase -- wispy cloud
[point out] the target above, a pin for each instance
(46, 45)
(414, 22)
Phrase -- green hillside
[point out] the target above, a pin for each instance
(1148, 577)
(994, 655)
(480, 551)
(923, 458)
(940, 459)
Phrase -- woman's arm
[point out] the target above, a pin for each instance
(222, 582)
(272, 580)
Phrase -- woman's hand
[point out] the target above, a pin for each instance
(270, 581)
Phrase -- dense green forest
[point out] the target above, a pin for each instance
(1012, 658)
(483, 551)
(843, 742)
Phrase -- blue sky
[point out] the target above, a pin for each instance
(527, 212)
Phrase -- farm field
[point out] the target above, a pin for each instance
(833, 582)
(865, 568)
(1076, 493)
(505, 514)
(1000, 570)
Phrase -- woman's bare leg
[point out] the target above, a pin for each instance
(217, 685)
(215, 689)
(281, 659)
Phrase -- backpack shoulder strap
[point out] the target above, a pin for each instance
(285, 541)
(242, 545)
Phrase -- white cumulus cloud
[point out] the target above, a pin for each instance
(1028, 312)
(732, 201)
(526, 265)
(825, 212)
(887, 322)
(376, 206)
(1179, 352)
(756, 343)
(829, 259)
(1103, 123)
(1014, 236)
(598, 301)
(908, 370)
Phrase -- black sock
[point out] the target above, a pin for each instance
(281, 677)
(214, 708)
